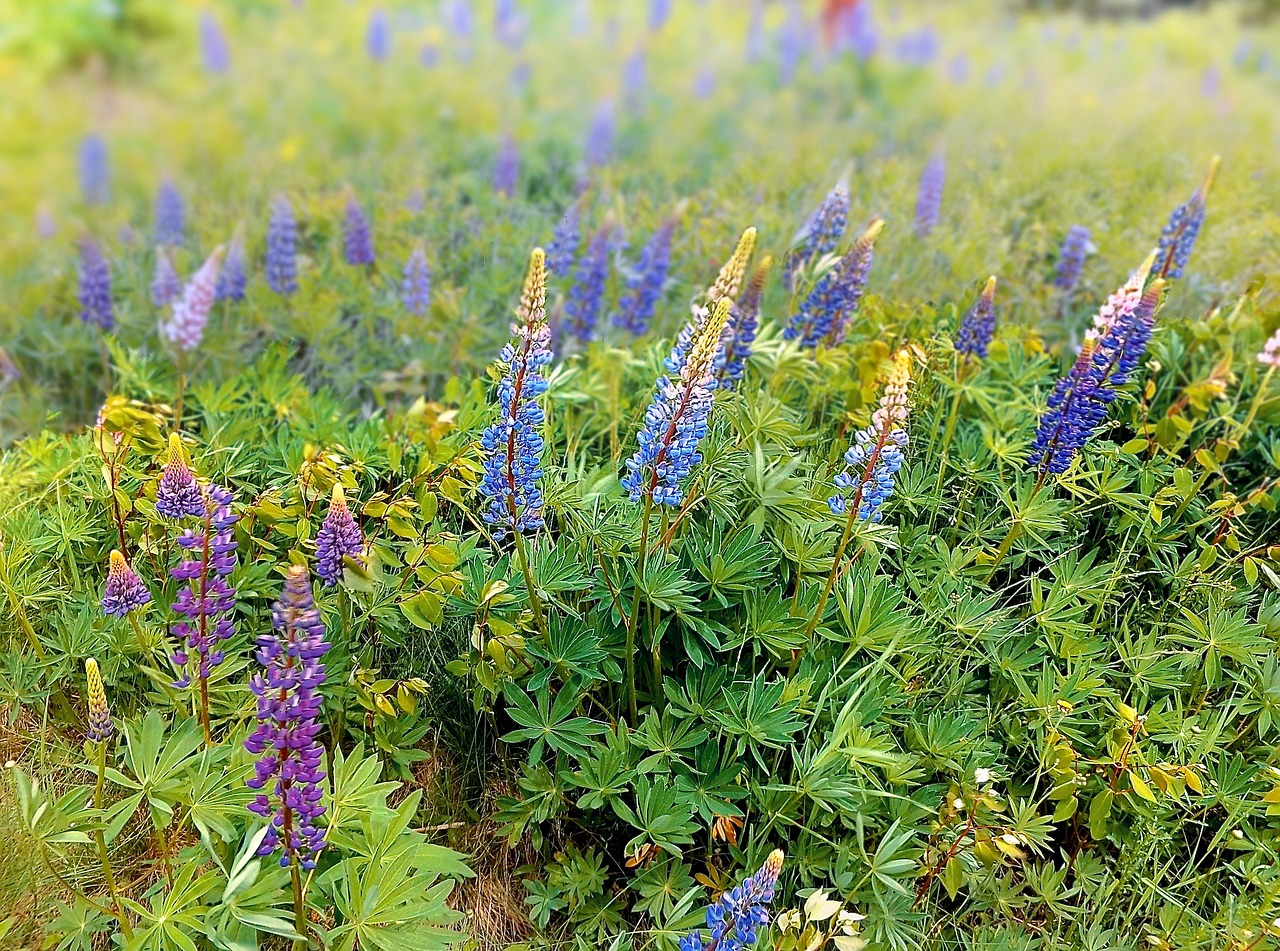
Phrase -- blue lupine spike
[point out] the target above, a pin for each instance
(646, 282)
(509, 24)
(170, 215)
(513, 444)
(1075, 246)
(563, 249)
(634, 77)
(659, 13)
(233, 281)
(95, 286)
(282, 248)
(744, 324)
(95, 176)
(735, 918)
(506, 167)
(929, 200)
(821, 232)
(377, 36)
(979, 324)
(873, 459)
(586, 296)
(1179, 235)
(823, 316)
(213, 44)
(415, 289)
(357, 241)
(599, 149)
(165, 285)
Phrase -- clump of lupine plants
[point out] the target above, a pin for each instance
(679, 555)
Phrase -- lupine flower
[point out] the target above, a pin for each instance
(1179, 235)
(1075, 246)
(170, 215)
(377, 37)
(125, 591)
(339, 537)
(704, 84)
(929, 200)
(676, 421)
(95, 286)
(506, 167)
(793, 41)
(458, 17)
(823, 316)
(599, 148)
(509, 24)
(233, 282)
(100, 726)
(94, 174)
(208, 600)
(1111, 352)
(821, 233)
(979, 324)
(856, 32)
(213, 44)
(875, 456)
(165, 285)
(919, 48)
(564, 243)
(357, 242)
(178, 494)
(659, 12)
(634, 75)
(282, 248)
(587, 294)
(735, 919)
(513, 444)
(733, 272)
(429, 55)
(744, 323)
(1270, 354)
(289, 699)
(646, 281)
(415, 289)
(185, 329)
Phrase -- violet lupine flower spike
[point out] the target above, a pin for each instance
(95, 286)
(125, 591)
(165, 285)
(339, 537)
(821, 233)
(582, 309)
(1111, 352)
(415, 288)
(289, 700)
(170, 215)
(822, 319)
(357, 242)
(506, 167)
(645, 284)
(1075, 247)
(744, 323)
(100, 726)
(213, 45)
(600, 135)
(282, 248)
(178, 495)
(185, 329)
(94, 172)
(564, 243)
(979, 324)
(513, 444)
(208, 601)
(929, 200)
(233, 282)
(874, 458)
(676, 420)
(1179, 235)
(377, 37)
(734, 921)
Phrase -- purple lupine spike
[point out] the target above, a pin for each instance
(178, 495)
(458, 18)
(659, 13)
(704, 84)
(582, 308)
(822, 318)
(506, 167)
(357, 241)
(207, 602)
(755, 44)
(1075, 246)
(929, 200)
(170, 215)
(744, 324)
(289, 700)
(599, 149)
(979, 324)
(821, 232)
(509, 24)
(646, 282)
(1179, 235)
(185, 329)
(100, 726)
(95, 286)
(513, 444)
(519, 78)
(958, 69)
(339, 537)
(1111, 352)
(735, 919)
(95, 175)
(564, 243)
(233, 282)
(282, 248)
(377, 37)
(125, 591)
(634, 78)
(429, 55)
(165, 285)
(415, 288)
(793, 42)
(213, 44)
(856, 31)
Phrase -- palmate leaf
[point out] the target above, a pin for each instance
(667, 586)
(729, 566)
(760, 718)
(256, 898)
(551, 722)
(175, 916)
(607, 770)
(667, 740)
(662, 814)
(572, 650)
(157, 763)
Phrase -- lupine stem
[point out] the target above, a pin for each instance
(534, 601)
(103, 857)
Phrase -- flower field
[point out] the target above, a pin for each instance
(654, 474)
